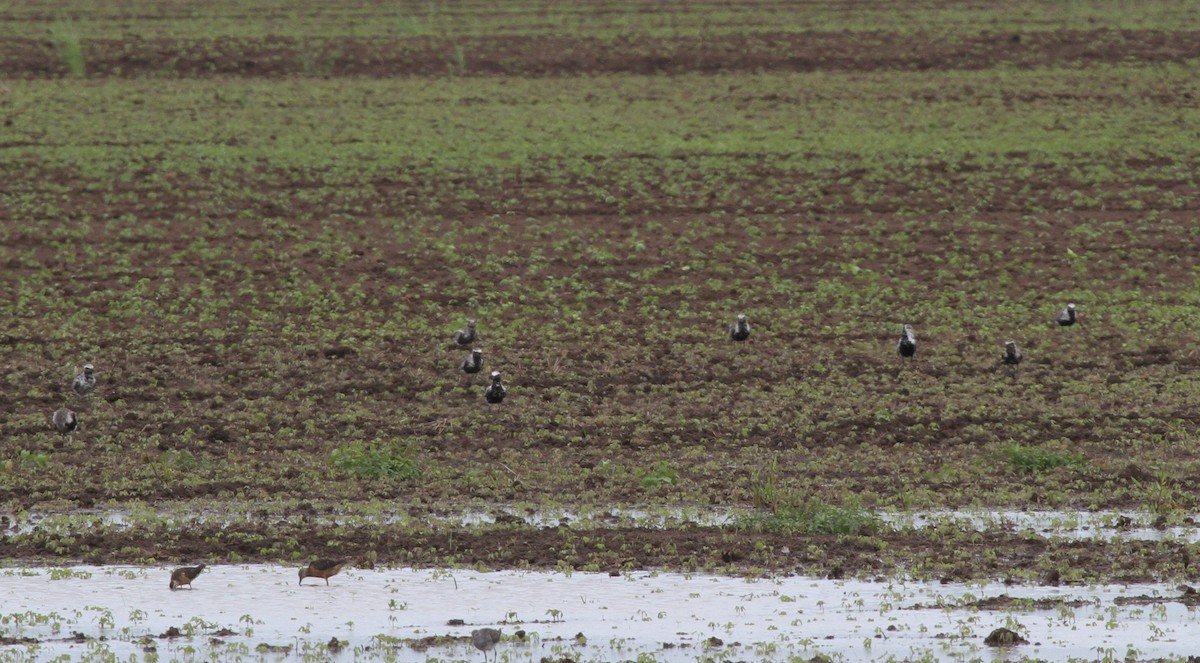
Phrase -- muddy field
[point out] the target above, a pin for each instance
(263, 236)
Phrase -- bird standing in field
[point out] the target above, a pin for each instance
(907, 347)
(740, 330)
(322, 568)
(495, 391)
(474, 362)
(485, 640)
(1011, 356)
(466, 335)
(85, 382)
(185, 576)
(1066, 317)
(65, 421)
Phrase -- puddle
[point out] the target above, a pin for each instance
(1078, 525)
(1075, 525)
(467, 516)
(667, 617)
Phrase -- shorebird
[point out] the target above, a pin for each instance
(474, 362)
(740, 330)
(85, 382)
(1011, 356)
(322, 568)
(907, 347)
(1066, 317)
(466, 335)
(495, 391)
(485, 640)
(65, 421)
(185, 576)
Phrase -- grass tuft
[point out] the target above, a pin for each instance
(393, 460)
(785, 511)
(662, 474)
(1032, 459)
(814, 516)
(69, 47)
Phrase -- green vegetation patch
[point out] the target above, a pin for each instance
(377, 460)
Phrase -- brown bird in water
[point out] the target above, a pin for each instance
(185, 576)
(322, 568)
(485, 639)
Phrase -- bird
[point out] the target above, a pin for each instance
(466, 335)
(474, 362)
(65, 421)
(1011, 356)
(1066, 317)
(740, 330)
(485, 639)
(322, 568)
(185, 576)
(85, 382)
(907, 347)
(495, 391)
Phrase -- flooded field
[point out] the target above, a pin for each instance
(1079, 525)
(261, 612)
(271, 222)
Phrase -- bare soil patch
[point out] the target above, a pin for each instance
(519, 55)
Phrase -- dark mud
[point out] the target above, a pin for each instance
(520, 55)
(947, 558)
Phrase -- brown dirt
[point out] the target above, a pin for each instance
(951, 559)
(223, 377)
(516, 55)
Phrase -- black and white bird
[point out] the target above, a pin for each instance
(1066, 317)
(65, 421)
(466, 335)
(1011, 356)
(485, 640)
(740, 330)
(495, 391)
(907, 347)
(85, 382)
(474, 362)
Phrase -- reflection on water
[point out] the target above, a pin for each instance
(261, 612)
(1101, 525)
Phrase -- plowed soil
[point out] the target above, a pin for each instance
(252, 319)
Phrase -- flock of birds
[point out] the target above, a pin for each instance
(484, 639)
(466, 336)
(66, 421)
(907, 346)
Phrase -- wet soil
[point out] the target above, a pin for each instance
(616, 550)
(519, 55)
(247, 402)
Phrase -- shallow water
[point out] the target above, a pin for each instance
(1080, 525)
(669, 616)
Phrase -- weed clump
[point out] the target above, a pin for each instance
(1031, 459)
(69, 47)
(814, 516)
(785, 511)
(392, 460)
